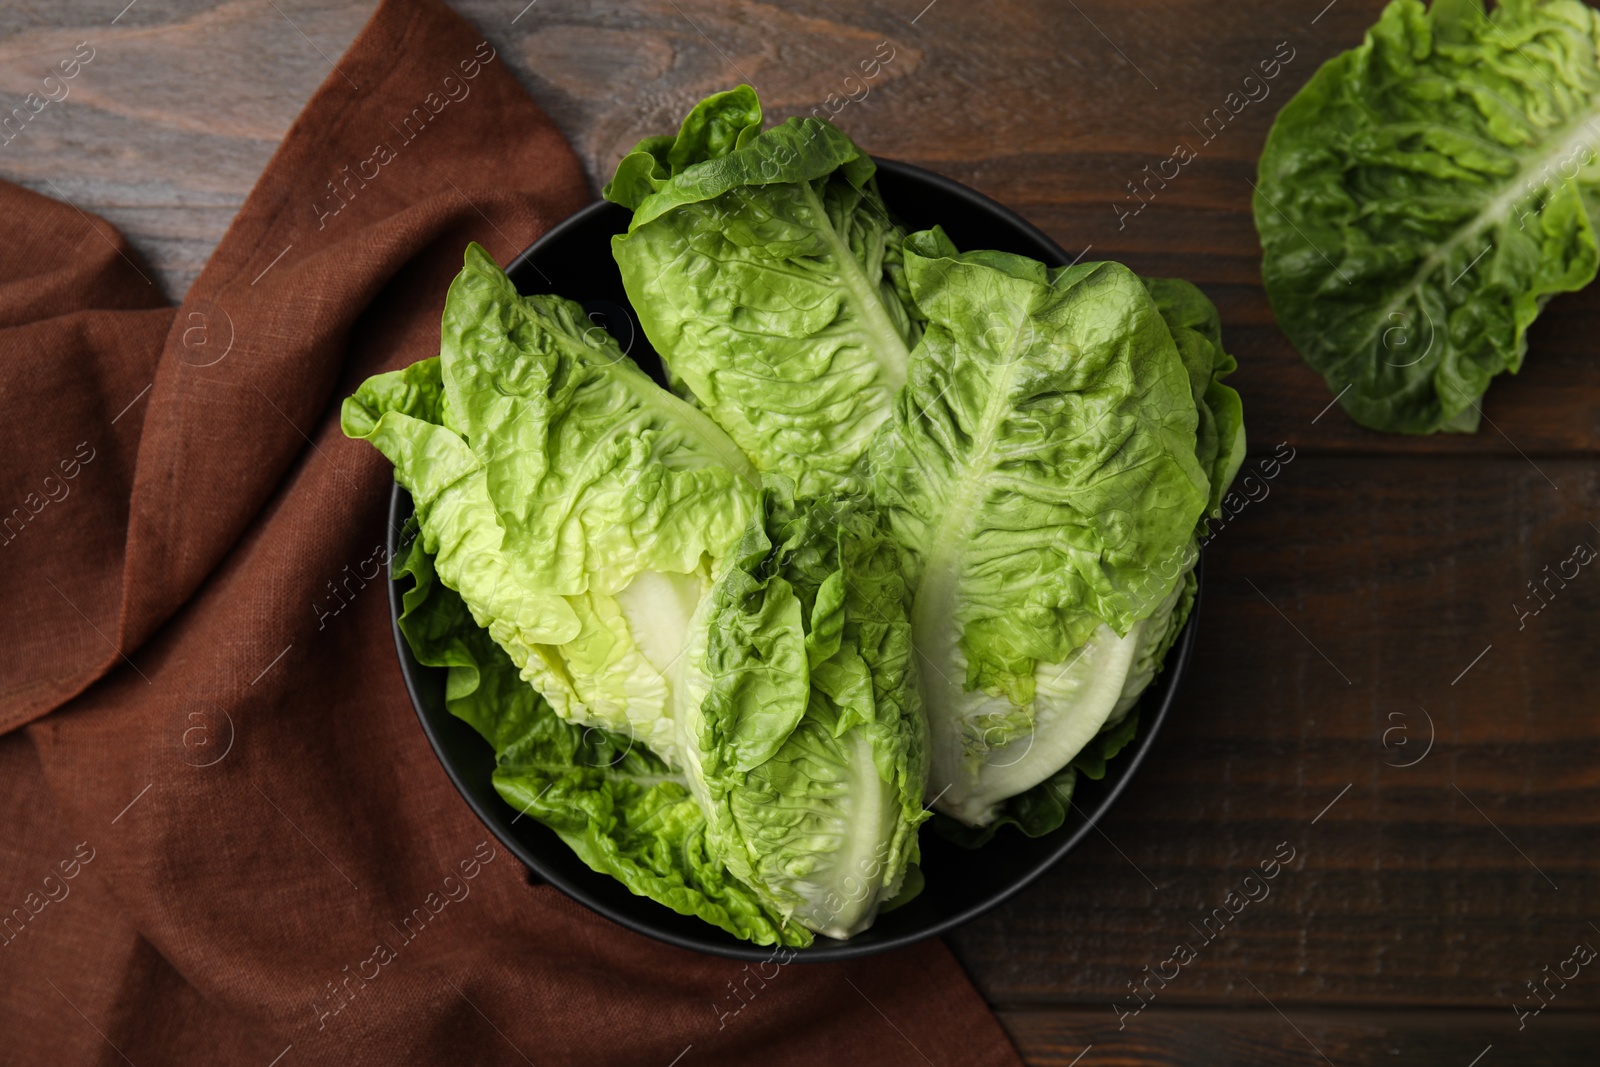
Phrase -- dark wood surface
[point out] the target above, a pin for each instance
(1347, 609)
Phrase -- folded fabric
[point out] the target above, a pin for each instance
(227, 838)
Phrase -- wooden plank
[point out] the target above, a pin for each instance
(1263, 1038)
(1051, 109)
(1431, 884)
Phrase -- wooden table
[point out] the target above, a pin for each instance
(1364, 692)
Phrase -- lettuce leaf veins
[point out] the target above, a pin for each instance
(1041, 470)
(768, 274)
(1425, 195)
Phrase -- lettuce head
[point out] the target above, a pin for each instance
(1044, 469)
(576, 506)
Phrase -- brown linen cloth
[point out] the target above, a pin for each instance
(216, 799)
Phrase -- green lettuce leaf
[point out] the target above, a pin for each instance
(1040, 469)
(576, 506)
(1425, 194)
(767, 273)
(1196, 329)
(596, 472)
(1220, 444)
(397, 413)
(618, 806)
(803, 735)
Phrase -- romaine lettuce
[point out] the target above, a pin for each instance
(802, 731)
(576, 506)
(766, 271)
(1425, 194)
(1041, 472)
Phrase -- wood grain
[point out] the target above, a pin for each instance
(1361, 588)
(1050, 109)
(1357, 591)
(166, 129)
(1261, 1037)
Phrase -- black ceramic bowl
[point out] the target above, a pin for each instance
(574, 260)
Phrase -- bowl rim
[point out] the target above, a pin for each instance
(494, 814)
